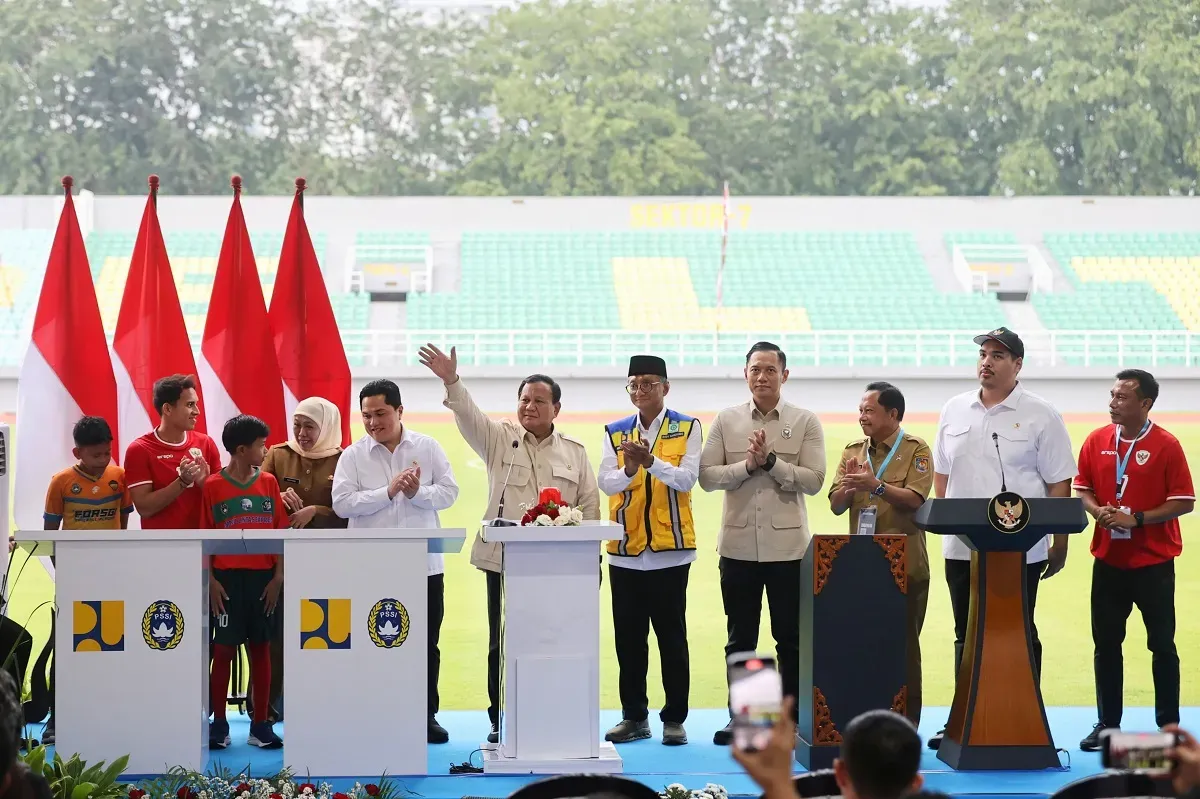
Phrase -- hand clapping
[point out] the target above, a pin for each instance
(858, 477)
(408, 481)
(292, 500)
(190, 472)
(756, 451)
(637, 453)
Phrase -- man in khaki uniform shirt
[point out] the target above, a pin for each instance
(892, 472)
(522, 458)
(765, 455)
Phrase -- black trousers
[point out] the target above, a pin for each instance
(494, 599)
(1114, 593)
(641, 599)
(958, 580)
(742, 586)
(437, 611)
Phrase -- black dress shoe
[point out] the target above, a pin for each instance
(724, 736)
(1091, 743)
(437, 733)
(494, 735)
(936, 740)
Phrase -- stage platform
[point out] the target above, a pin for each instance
(699, 762)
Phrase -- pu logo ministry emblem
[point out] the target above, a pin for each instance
(1008, 513)
(162, 625)
(324, 623)
(98, 626)
(388, 624)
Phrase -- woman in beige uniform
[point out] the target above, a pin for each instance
(304, 468)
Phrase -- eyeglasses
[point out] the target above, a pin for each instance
(641, 388)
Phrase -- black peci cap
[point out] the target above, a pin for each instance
(1005, 338)
(647, 365)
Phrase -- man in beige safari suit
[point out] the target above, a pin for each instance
(521, 459)
(766, 455)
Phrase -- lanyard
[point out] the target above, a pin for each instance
(891, 454)
(1123, 463)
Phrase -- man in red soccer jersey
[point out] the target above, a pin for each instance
(243, 590)
(165, 468)
(1134, 480)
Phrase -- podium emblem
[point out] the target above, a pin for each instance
(1008, 512)
(388, 624)
(98, 626)
(162, 625)
(324, 623)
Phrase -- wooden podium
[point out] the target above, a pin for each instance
(853, 641)
(997, 720)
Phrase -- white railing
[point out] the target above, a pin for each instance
(418, 257)
(898, 348)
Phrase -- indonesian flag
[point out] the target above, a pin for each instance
(151, 340)
(237, 356)
(66, 373)
(308, 346)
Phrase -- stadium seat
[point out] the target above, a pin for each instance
(23, 255)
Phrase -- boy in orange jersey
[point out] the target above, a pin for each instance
(243, 589)
(91, 495)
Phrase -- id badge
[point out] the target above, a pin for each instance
(1120, 533)
(866, 520)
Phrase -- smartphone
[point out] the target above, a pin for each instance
(755, 697)
(1137, 751)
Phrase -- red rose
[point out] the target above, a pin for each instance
(136, 793)
(276, 796)
(302, 787)
(186, 793)
(340, 796)
(372, 789)
(550, 495)
(552, 511)
(242, 787)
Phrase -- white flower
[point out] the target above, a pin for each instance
(562, 519)
(543, 521)
(576, 515)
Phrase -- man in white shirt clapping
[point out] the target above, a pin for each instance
(393, 477)
(998, 435)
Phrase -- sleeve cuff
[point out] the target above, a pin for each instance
(52, 517)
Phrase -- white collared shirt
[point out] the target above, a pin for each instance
(366, 469)
(1035, 449)
(613, 480)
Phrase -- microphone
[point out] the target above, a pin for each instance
(499, 521)
(996, 442)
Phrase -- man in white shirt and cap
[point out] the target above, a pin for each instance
(651, 462)
(1000, 434)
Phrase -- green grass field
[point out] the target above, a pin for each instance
(1062, 616)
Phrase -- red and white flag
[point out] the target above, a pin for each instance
(237, 356)
(151, 339)
(66, 373)
(308, 346)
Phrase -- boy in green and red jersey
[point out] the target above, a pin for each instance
(243, 589)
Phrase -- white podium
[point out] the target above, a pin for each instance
(356, 646)
(550, 642)
(131, 643)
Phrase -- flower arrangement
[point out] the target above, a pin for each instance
(183, 784)
(710, 791)
(550, 511)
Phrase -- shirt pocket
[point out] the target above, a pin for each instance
(787, 449)
(516, 469)
(956, 441)
(566, 480)
(1016, 446)
(672, 450)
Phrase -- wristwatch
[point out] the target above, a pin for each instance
(1140, 518)
(878, 490)
(770, 462)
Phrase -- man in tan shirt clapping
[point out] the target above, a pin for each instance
(522, 458)
(766, 455)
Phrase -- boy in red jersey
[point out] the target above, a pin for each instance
(243, 589)
(91, 495)
(1134, 480)
(166, 467)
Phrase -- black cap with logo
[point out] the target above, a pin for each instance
(1005, 338)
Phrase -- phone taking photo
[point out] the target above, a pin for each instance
(755, 698)
(1147, 752)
